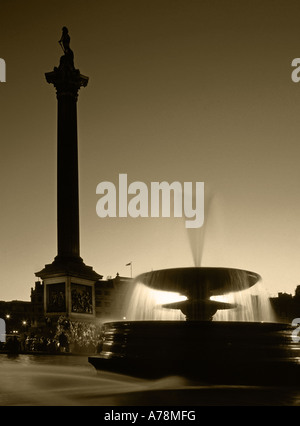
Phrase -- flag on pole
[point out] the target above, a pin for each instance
(130, 264)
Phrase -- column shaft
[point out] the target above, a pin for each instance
(67, 177)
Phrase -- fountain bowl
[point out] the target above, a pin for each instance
(204, 281)
(216, 352)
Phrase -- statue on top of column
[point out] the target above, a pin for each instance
(65, 40)
(68, 57)
(66, 78)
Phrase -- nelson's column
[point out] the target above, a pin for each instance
(68, 282)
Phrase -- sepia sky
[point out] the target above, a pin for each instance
(179, 90)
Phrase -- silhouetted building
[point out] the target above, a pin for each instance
(286, 306)
(110, 304)
(17, 314)
(37, 302)
(110, 297)
(297, 292)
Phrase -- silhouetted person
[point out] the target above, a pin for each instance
(63, 342)
(13, 345)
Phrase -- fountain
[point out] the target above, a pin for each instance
(197, 348)
(199, 285)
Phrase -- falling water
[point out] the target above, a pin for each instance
(252, 305)
(146, 304)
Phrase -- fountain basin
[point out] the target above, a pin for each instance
(241, 353)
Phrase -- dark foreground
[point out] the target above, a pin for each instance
(41, 380)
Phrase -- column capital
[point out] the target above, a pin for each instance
(66, 78)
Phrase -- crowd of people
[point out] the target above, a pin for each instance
(68, 337)
(30, 343)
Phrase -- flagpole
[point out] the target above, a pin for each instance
(130, 264)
